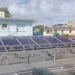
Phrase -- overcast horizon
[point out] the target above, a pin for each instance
(44, 11)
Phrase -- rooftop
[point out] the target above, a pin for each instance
(19, 19)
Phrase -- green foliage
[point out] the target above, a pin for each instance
(40, 28)
(7, 13)
(65, 35)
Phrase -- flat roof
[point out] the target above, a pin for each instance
(17, 19)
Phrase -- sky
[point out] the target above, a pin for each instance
(43, 11)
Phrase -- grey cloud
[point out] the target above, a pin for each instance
(43, 10)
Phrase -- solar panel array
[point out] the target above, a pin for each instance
(33, 43)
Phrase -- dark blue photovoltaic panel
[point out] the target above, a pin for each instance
(0, 43)
(10, 41)
(40, 40)
(34, 43)
(65, 40)
(52, 40)
(26, 41)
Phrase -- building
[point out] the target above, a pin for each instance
(48, 32)
(61, 29)
(15, 27)
(66, 29)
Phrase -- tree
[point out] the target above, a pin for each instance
(7, 13)
(66, 35)
(40, 28)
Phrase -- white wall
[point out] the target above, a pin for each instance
(72, 33)
(48, 34)
(60, 32)
(12, 31)
(27, 31)
(67, 32)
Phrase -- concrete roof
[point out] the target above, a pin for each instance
(18, 19)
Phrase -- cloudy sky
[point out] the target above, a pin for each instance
(44, 11)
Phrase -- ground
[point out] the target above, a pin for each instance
(60, 61)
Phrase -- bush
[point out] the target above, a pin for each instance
(65, 35)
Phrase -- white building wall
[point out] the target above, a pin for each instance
(12, 31)
(72, 33)
(25, 27)
(12, 28)
(67, 32)
(48, 34)
(27, 32)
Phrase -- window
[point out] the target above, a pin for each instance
(4, 26)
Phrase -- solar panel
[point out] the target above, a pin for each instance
(11, 44)
(10, 41)
(65, 40)
(0, 43)
(34, 43)
(40, 40)
(26, 41)
(52, 40)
